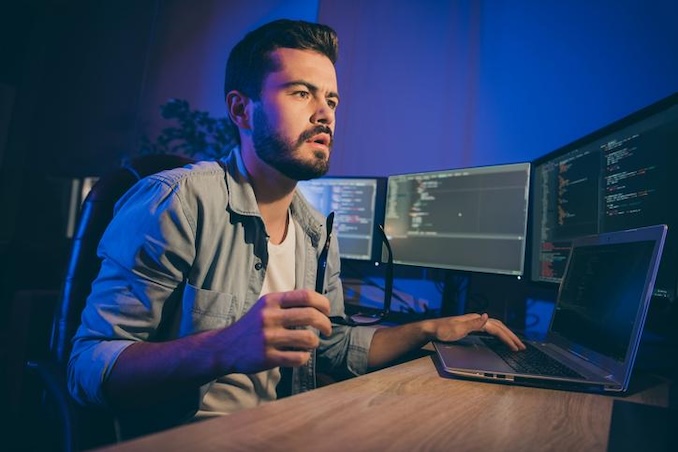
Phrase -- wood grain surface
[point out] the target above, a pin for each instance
(410, 407)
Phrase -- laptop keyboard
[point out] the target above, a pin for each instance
(531, 360)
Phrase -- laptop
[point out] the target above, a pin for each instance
(596, 325)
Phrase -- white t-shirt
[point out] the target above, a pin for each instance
(234, 392)
(280, 271)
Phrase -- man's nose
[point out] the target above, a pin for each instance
(323, 114)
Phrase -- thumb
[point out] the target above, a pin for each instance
(480, 323)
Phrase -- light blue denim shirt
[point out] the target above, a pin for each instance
(186, 252)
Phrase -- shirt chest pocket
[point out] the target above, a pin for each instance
(204, 310)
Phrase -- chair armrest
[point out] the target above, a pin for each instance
(79, 427)
(53, 381)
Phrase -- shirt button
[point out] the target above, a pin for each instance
(258, 266)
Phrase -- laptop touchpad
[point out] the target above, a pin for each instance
(470, 353)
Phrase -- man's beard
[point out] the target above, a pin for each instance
(278, 153)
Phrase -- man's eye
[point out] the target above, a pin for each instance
(302, 94)
(332, 104)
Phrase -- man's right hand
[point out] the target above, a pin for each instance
(274, 332)
(279, 330)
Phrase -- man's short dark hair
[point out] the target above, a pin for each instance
(250, 60)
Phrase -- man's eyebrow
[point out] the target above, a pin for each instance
(311, 87)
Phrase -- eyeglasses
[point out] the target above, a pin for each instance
(360, 318)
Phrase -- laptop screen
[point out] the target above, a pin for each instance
(600, 295)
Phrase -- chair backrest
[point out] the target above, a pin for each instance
(84, 264)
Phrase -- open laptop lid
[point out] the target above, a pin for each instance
(604, 298)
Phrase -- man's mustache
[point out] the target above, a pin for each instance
(308, 134)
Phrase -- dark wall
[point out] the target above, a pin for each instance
(81, 81)
(448, 84)
(83, 70)
(74, 68)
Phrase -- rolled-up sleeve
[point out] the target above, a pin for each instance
(145, 251)
(347, 349)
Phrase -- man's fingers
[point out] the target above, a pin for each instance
(298, 308)
(289, 358)
(293, 339)
(303, 298)
(497, 328)
(472, 317)
(475, 322)
(305, 317)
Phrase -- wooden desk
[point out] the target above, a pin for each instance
(409, 407)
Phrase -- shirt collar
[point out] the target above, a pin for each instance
(242, 201)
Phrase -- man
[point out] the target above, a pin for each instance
(206, 285)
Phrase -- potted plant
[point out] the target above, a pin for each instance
(194, 134)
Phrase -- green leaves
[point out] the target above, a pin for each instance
(195, 133)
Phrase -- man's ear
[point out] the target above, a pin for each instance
(236, 103)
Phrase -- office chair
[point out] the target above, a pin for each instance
(81, 428)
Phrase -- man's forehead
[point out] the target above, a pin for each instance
(304, 64)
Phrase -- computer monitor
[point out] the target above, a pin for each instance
(470, 219)
(358, 206)
(619, 177)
